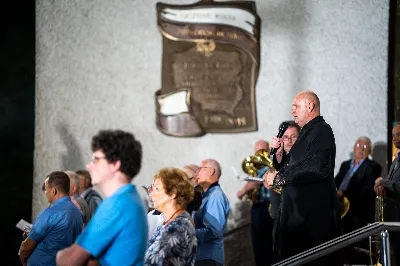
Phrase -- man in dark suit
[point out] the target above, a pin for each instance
(86, 191)
(390, 189)
(309, 213)
(355, 181)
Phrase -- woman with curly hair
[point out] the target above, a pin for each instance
(174, 242)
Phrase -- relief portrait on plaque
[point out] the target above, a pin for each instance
(210, 65)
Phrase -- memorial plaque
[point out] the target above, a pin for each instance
(210, 65)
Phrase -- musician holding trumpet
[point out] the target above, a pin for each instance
(261, 222)
(309, 213)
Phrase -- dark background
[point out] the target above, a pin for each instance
(17, 120)
(17, 114)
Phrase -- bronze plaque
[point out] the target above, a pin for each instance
(210, 65)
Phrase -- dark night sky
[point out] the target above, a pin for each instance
(17, 93)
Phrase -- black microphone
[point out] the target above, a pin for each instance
(282, 130)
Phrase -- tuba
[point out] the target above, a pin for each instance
(251, 164)
(375, 240)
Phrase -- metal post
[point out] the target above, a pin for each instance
(385, 249)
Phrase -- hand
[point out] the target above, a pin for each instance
(380, 191)
(25, 234)
(276, 143)
(340, 194)
(240, 194)
(378, 181)
(268, 178)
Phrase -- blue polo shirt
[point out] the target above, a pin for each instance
(210, 222)
(55, 228)
(117, 233)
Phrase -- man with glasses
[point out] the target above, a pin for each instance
(117, 233)
(355, 181)
(210, 220)
(283, 146)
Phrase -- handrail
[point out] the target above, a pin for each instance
(339, 242)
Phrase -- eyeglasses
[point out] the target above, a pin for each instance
(204, 167)
(97, 158)
(152, 188)
(292, 138)
(358, 145)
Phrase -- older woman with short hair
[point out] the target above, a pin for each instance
(175, 242)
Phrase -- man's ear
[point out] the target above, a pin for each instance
(212, 171)
(54, 191)
(311, 106)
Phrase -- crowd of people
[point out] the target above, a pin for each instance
(296, 207)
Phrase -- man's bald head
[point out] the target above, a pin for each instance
(305, 107)
(213, 164)
(310, 97)
(261, 145)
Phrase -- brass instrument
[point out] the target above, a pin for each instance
(344, 206)
(251, 164)
(375, 240)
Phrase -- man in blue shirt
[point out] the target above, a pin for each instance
(117, 233)
(56, 227)
(210, 220)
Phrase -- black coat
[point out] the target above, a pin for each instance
(392, 206)
(392, 185)
(274, 197)
(309, 208)
(360, 193)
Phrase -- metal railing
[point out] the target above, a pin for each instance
(345, 240)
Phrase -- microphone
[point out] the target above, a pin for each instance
(282, 130)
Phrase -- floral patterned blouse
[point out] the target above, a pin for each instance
(173, 244)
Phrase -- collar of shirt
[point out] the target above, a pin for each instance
(215, 184)
(84, 193)
(313, 122)
(60, 200)
(123, 189)
(357, 165)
